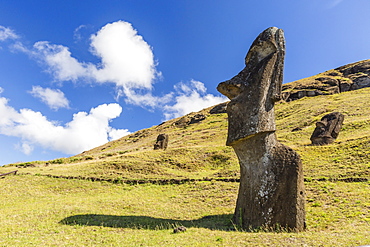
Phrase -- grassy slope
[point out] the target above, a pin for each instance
(38, 210)
(198, 150)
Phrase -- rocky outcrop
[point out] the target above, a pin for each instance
(190, 119)
(218, 109)
(271, 192)
(345, 78)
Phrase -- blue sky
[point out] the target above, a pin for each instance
(76, 74)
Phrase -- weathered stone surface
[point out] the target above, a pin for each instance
(354, 68)
(162, 142)
(271, 191)
(327, 129)
(220, 108)
(190, 119)
(197, 118)
(179, 229)
(256, 88)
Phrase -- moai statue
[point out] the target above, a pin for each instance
(271, 191)
(327, 129)
(162, 142)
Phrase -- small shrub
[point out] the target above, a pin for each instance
(88, 158)
(74, 159)
(57, 161)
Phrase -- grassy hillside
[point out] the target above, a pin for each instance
(198, 150)
(195, 186)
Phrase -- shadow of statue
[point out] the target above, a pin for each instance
(213, 222)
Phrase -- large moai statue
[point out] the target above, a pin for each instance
(271, 192)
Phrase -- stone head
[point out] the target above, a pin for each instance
(256, 88)
(327, 129)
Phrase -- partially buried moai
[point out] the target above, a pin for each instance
(162, 142)
(327, 129)
(271, 192)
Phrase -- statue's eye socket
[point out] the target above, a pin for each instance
(320, 124)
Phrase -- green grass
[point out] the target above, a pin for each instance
(39, 211)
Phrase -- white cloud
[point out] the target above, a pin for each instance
(1, 90)
(115, 134)
(7, 114)
(191, 98)
(126, 61)
(77, 32)
(25, 147)
(7, 33)
(54, 98)
(144, 99)
(85, 131)
(61, 64)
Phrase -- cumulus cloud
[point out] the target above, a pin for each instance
(114, 134)
(127, 61)
(61, 64)
(83, 132)
(54, 98)
(191, 97)
(7, 33)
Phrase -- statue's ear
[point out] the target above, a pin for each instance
(277, 78)
(276, 92)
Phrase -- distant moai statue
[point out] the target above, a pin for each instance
(327, 129)
(162, 142)
(271, 192)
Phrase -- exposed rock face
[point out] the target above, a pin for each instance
(271, 191)
(162, 142)
(220, 108)
(327, 129)
(197, 118)
(190, 119)
(346, 78)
